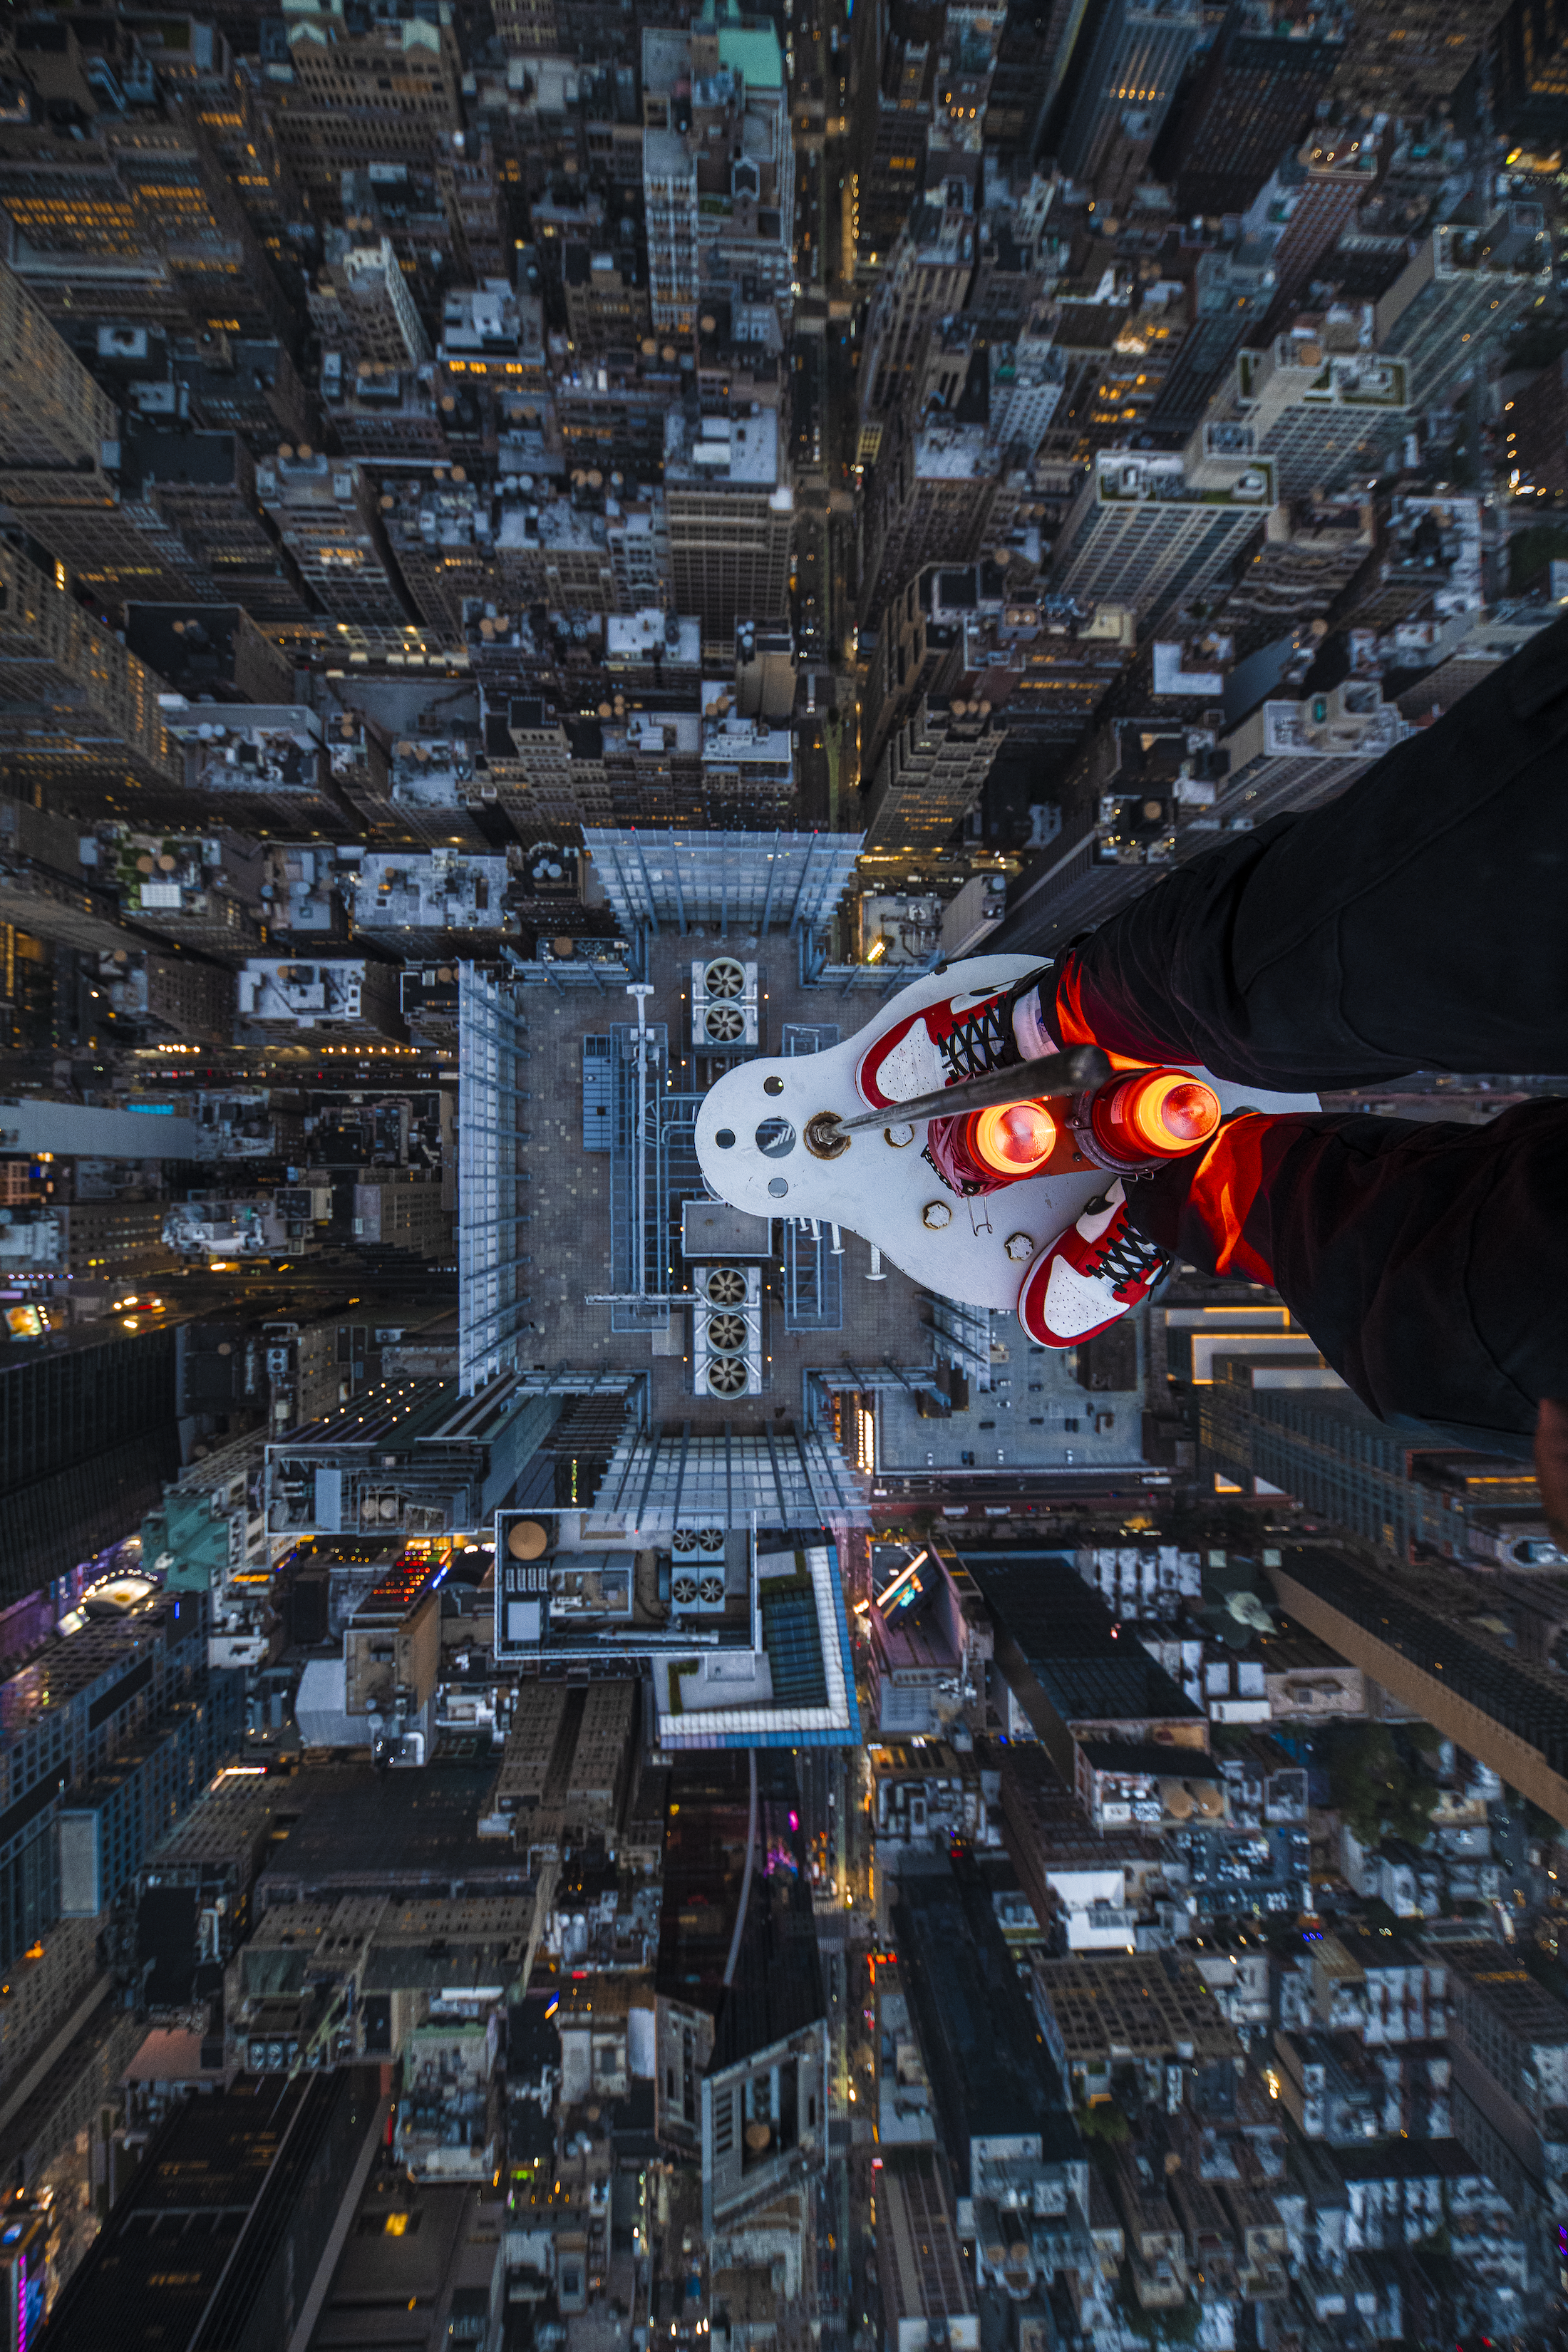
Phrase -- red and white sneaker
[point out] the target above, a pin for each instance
(957, 1037)
(1090, 1276)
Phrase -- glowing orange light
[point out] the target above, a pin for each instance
(1014, 1138)
(1167, 1111)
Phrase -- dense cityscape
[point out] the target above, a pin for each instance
(581, 1766)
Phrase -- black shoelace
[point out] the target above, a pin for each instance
(980, 1042)
(1125, 1255)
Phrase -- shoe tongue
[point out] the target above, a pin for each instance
(1091, 1226)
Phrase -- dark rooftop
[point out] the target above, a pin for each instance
(359, 1828)
(1089, 1668)
(983, 2049)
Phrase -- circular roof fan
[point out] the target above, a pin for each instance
(683, 1592)
(725, 978)
(727, 1334)
(726, 1285)
(711, 1591)
(683, 1540)
(725, 1024)
(711, 1539)
(727, 1376)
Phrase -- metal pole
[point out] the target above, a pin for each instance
(800, 892)
(773, 877)
(642, 990)
(646, 886)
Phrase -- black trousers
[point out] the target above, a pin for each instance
(1420, 921)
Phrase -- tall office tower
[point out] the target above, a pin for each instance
(893, 66)
(329, 521)
(176, 521)
(443, 536)
(1136, 55)
(1531, 85)
(1296, 755)
(717, 165)
(90, 1436)
(961, 90)
(1329, 419)
(1231, 293)
(1272, 1412)
(1535, 427)
(1253, 101)
(930, 502)
(360, 307)
(1021, 78)
(1312, 549)
(79, 715)
(1046, 663)
(1028, 380)
(607, 308)
(214, 649)
(1146, 531)
(353, 94)
(1459, 293)
(1326, 183)
(928, 280)
(929, 776)
(1415, 1632)
(138, 224)
(729, 510)
(53, 418)
(1412, 58)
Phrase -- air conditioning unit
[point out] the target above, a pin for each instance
(696, 1577)
(727, 1331)
(724, 998)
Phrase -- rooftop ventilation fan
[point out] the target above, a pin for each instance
(683, 1541)
(728, 1377)
(725, 978)
(726, 1287)
(711, 1541)
(727, 1334)
(683, 1592)
(725, 1024)
(724, 1000)
(712, 1591)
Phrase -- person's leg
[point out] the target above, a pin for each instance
(1416, 922)
(1429, 1260)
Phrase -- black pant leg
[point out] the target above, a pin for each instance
(1420, 921)
(1429, 1260)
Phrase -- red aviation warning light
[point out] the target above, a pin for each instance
(1153, 1114)
(1011, 1139)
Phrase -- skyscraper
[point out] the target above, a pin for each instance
(1145, 529)
(1137, 53)
(78, 711)
(1461, 290)
(717, 165)
(729, 510)
(1253, 99)
(87, 1437)
(1324, 186)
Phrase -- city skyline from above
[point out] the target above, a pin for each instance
(608, 1735)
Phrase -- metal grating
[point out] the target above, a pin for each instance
(813, 1279)
(596, 1093)
(794, 1645)
(491, 1313)
(725, 1480)
(639, 1238)
(736, 881)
